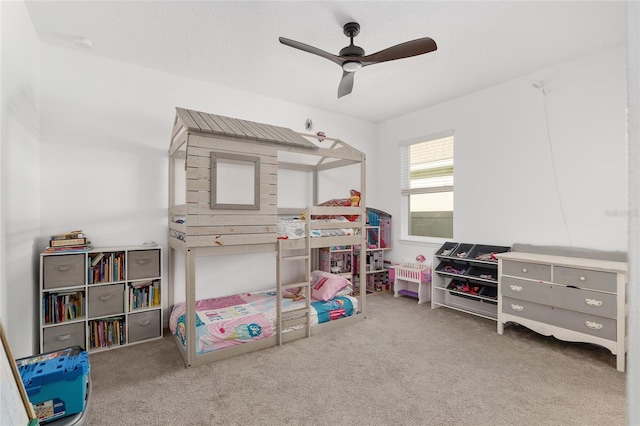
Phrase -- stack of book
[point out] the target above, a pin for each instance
(71, 241)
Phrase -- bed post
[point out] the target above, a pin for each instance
(189, 319)
(363, 245)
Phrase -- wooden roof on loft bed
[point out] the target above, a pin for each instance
(337, 154)
(227, 126)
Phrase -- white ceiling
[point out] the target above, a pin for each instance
(235, 44)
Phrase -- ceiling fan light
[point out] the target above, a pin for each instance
(351, 66)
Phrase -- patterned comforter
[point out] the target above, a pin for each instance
(231, 320)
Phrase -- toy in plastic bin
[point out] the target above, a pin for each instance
(56, 382)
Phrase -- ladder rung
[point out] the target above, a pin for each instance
(294, 314)
(301, 257)
(291, 322)
(294, 285)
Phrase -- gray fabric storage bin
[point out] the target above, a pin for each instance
(65, 270)
(63, 336)
(144, 325)
(106, 300)
(143, 264)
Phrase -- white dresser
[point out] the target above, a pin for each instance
(572, 298)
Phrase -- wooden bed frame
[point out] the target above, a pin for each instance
(213, 227)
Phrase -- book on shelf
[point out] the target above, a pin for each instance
(77, 248)
(141, 284)
(67, 236)
(68, 242)
(96, 259)
(144, 294)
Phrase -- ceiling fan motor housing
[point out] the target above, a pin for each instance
(352, 29)
(352, 50)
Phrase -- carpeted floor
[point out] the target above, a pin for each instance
(405, 364)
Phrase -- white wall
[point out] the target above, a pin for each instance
(19, 182)
(511, 184)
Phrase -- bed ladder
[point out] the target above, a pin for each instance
(292, 255)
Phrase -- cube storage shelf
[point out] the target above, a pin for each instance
(100, 299)
(466, 278)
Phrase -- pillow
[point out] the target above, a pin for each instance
(325, 285)
(345, 291)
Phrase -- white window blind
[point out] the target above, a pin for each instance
(427, 167)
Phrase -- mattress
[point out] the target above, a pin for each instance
(232, 320)
(295, 228)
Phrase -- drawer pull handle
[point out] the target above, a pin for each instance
(593, 302)
(514, 287)
(143, 261)
(105, 297)
(517, 307)
(143, 323)
(64, 337)
(524, 270)
(593, 325)
(64, 268)
(582, 278)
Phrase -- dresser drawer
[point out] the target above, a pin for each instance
(143, 264)
(526, 309)
(533, 271)
(63, 271)
(144, 325)
(590, 302)
(585, 323)
(526, 290)
(584, 278)
(63, 336)
(106, 300)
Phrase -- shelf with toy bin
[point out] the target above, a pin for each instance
(413, 279)
(466, 278)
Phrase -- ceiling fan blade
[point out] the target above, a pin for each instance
(399, 51)
(311, 49)
(346, 84)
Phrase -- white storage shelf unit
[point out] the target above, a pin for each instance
(466, 278)
(100, 299)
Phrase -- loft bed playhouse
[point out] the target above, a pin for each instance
(226, 170)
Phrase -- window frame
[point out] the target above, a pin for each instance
(404, 195)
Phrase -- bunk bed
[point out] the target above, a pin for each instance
(207, 219)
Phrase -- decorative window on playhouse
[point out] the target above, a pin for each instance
(426, 167)
(235, 181)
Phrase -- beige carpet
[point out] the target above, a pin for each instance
(406, 364)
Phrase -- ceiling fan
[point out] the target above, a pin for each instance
(352, 57)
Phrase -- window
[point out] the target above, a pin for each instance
(235, 181)
(427, 186)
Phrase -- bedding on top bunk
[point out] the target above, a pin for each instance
(293, 228)
(232, 320)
